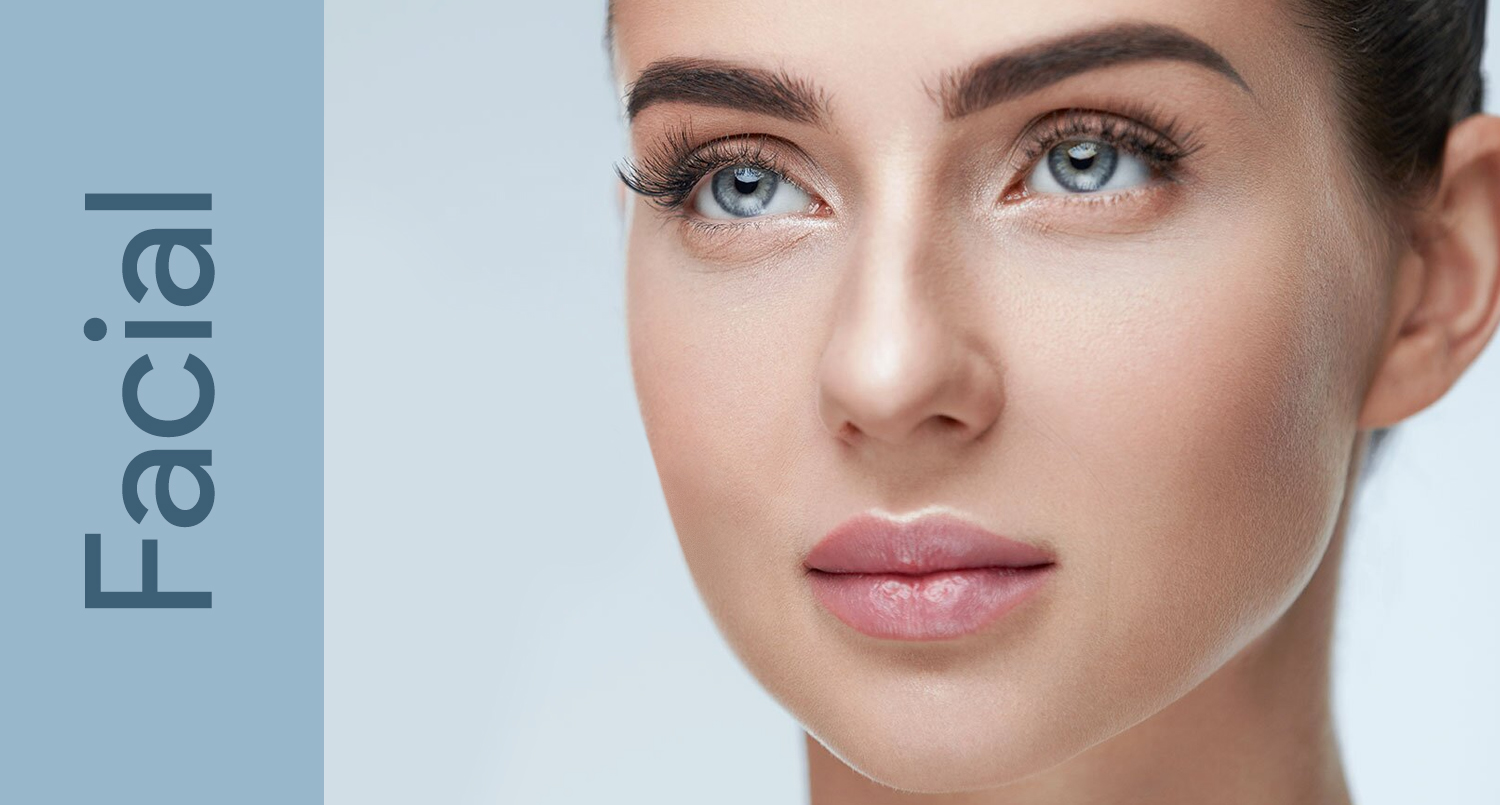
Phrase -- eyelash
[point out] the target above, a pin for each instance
(668, 175)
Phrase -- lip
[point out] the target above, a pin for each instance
(926, 577)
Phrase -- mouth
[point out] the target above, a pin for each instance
(929, 577)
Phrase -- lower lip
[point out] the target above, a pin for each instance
(933, 606)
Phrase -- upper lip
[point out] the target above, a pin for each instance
(917, 545)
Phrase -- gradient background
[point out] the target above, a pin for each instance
(508, 618)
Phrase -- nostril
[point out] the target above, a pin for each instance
(946, 424)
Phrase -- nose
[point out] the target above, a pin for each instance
(907, 359)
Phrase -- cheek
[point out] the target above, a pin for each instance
(1199, 416)
(728, 399)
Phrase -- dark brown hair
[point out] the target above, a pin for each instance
(1407, 71)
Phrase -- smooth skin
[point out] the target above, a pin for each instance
(1171, 387)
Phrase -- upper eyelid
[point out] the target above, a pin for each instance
(1042, 133)
(764, 158)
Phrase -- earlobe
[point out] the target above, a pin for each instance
(1446, 302)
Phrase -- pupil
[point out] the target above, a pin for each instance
(1081, 156)
(746, 180)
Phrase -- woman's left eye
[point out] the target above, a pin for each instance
(1087, 166)
(746, 191)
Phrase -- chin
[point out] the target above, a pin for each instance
(932, 770)
(946, 727)
(943, 756)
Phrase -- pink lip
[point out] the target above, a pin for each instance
(934, 577)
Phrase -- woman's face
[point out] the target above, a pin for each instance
(1094, 276)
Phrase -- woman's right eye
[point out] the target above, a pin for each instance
(747, 191)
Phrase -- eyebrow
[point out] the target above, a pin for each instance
(1011, 75)
(994, 80)
(710, 82)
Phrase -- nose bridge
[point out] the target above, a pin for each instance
(902, 361)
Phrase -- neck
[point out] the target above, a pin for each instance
(1260, 729)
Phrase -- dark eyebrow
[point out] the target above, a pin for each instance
(1011, 75)
(709, 82)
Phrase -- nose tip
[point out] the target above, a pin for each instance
(896, 380)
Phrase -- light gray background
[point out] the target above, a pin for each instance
(508, 616)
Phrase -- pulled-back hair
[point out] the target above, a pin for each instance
(1407, 71)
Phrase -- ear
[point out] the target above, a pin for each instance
(1446, 301)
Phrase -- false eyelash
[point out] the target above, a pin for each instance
(668, 174)
(1162, 145)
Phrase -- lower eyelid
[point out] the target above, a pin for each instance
(1138, 209)
(749, 241)
(693, 218)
